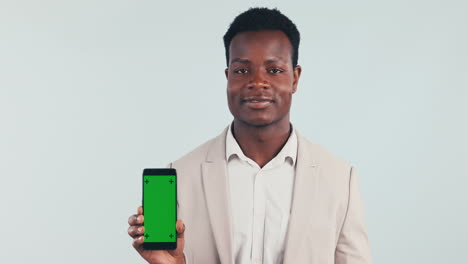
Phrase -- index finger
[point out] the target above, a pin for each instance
(140, 210)
(136, 219)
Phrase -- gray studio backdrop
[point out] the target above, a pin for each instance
(92, 92)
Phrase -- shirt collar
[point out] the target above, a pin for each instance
(289, 149)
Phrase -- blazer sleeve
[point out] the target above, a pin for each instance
(353, 244)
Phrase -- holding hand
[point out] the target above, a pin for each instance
(136, 231)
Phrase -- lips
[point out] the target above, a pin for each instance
(255, 99)
(257, 102)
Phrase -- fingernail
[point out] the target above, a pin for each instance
(139, 229)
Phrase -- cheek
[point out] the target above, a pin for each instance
(232, 97)
(233, 89)
(231, 93)
(285, 96)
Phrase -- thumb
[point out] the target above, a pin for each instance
(180, 227)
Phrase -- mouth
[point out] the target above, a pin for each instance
(257, 102)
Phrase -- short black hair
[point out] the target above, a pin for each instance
(262, 18)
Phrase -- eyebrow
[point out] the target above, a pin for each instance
(273, 60)
(246, 61)
(240, 60)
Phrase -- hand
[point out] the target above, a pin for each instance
(136, 231)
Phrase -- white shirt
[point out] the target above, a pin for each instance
(260, 201)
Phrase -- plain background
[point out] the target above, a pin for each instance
(92, 92)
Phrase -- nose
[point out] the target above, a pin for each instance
(258, 80)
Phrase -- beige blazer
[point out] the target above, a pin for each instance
(326, 223)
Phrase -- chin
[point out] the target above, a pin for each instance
(257, 122)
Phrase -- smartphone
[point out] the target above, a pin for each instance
(160, 209)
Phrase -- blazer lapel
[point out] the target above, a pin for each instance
(215, 183)
(305, 190)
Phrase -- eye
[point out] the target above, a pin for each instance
(275, 70)
(241, 71)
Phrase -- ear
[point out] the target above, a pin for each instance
(296, 75)
(226, 72)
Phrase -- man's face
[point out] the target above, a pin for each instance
(261, 78)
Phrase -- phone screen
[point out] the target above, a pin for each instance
(160, 208)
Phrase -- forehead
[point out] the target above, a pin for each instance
(261, 44)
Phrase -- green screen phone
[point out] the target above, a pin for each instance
(160, 209)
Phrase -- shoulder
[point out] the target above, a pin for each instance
(325, 156)
(196, 155)
(199, 154)
(319, 155)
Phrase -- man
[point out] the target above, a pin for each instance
(260, 192)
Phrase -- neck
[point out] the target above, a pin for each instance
(262, 143)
